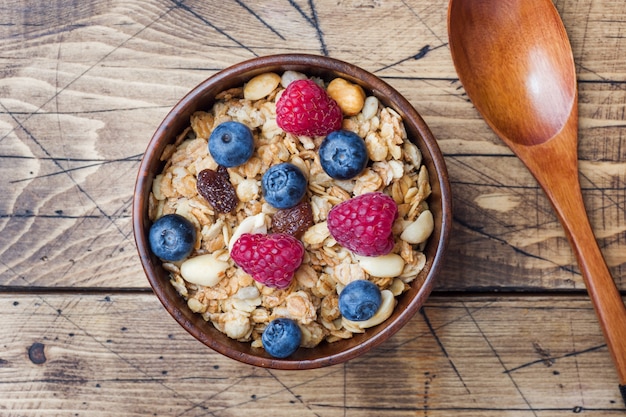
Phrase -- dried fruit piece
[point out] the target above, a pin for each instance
(294, 221)
(216, 188)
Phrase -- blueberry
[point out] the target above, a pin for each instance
(283, 185)
(172, 237)
(281, 337)
(359, 300)
(231, 144)
(343, 154)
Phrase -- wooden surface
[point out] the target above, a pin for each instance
(509, 330)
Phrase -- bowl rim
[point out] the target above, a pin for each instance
(236, 75)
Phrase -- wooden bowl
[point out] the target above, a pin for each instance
(201, 98)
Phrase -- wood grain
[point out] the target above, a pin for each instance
(120, 354)
(83, 86)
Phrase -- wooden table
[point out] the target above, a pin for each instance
(509, 330)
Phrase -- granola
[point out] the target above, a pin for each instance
(229, 298)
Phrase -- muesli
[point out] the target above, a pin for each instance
(216, 287)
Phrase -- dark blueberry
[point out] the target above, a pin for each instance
(359, 300)
(281, 337)
(343, 154)
(284, 185)
(172, 237)
(231, 144)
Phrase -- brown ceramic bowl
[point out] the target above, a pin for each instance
(201, 98)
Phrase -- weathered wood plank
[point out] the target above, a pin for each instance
(84, 84)
(121, 354)
(82, 88)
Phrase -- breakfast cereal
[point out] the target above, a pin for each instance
(222, 292)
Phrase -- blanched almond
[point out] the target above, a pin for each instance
(390, 265)
(203, 270)
(420, 229)
(252, 224)
(261, 86)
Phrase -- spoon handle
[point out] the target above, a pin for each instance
(554, 165)
(602, 290)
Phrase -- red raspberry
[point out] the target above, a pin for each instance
(305, 109)
(363, 224)
(271, 259)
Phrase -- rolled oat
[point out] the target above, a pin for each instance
(228, 297)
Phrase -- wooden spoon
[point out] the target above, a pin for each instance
(515, 62)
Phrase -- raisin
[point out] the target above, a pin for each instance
(216, 188)
(294, 221)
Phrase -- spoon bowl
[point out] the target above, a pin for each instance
(531, 88)
(515, 62)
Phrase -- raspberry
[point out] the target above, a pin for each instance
(305, 109)
(271, 259)
(363, 224)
